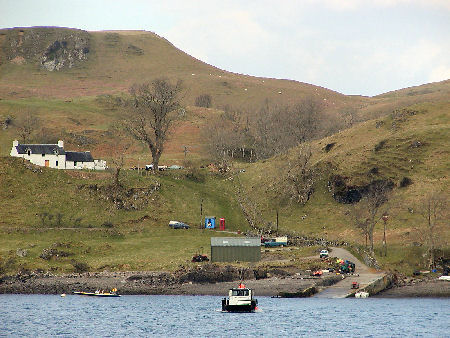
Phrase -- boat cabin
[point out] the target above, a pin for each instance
(240, 299)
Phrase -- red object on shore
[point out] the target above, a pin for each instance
(222, 224)
(241, 286)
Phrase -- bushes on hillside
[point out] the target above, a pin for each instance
(80, 267)
(203, 100)
(405, 181)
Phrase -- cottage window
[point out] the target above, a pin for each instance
(43, 155)
(75, 163)
(56, 163)
(28, 152)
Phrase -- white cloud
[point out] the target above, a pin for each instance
(356, 4)
(440, 73)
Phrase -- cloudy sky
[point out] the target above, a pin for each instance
(365, 47)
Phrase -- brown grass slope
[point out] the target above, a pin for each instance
(67, 102)
(116, 59)
(414, 143)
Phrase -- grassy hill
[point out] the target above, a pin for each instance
(105, 226)
(117, 59)
(412, 143)
(95, 65)
(405, 134)
(83, 217)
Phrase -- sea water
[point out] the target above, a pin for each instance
(200, 316)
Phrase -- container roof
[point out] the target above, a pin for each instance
(235, 241)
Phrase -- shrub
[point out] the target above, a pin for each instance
(374, 171)
(380, 145)
(108, 224)
(196, 175)
(405, 181)
(203, 100)
(49, 253)
(80, 267)
(329, 146)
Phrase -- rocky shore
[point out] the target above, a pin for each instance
(205, 280)
(430, 287)
(199, 283)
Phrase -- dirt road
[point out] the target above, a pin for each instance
(363, 275)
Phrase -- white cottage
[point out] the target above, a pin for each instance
(54, 156)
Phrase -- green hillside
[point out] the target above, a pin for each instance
(400, 137)
(106, 226)
(412, 143)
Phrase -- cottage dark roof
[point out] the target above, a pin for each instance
(76, 156)
(40, 149)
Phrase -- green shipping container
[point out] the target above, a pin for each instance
(232, 249)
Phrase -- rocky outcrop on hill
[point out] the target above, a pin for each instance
(51, 48)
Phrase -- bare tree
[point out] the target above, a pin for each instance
(118, 151)
(360, 220)
(153, 109)
(228, 138)
(432, 208)
(118, 161)
(26, 126)
(298, 178)
(371, 208)
(279, 128)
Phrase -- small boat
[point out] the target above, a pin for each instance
(112, 293)
(240, 299)
(362, 294)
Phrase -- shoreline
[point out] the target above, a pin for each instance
(162, 283)
(145, 283)
(431, 288)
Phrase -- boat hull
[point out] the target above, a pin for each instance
(93, 294)
(239, 308)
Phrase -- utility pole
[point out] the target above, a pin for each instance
(385, 218)
(277, 222)
(201, 214)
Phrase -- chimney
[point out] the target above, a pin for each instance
(15, 143)
(61, 144)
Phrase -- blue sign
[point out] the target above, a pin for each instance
(210, 222)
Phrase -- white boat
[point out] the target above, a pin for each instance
(240, 299)
(362, 294)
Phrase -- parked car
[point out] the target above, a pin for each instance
(323, 254)
(160, 167)
(277, 241)
(178, 225)
(174, 167)
(200, 258)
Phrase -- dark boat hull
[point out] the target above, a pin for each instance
(239, 308)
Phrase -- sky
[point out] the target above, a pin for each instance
(363, 47)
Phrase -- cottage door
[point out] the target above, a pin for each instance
(47, 163)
